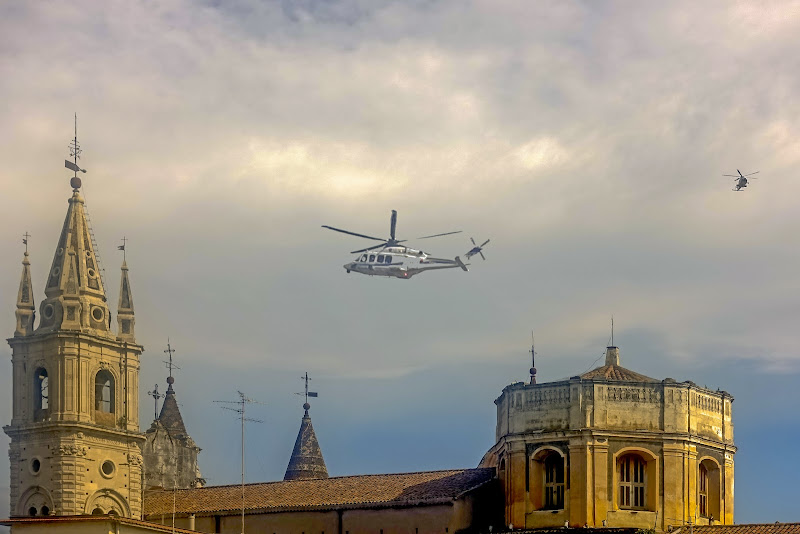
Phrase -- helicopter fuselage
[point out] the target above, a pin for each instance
(398, 262)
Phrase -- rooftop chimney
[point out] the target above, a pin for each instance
(612, 355)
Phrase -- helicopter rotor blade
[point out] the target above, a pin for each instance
(485, 242)
(439, 235)
(380, 245)
(352, 233)
(481, 253)
(393, 225)
(752, 173)
(731, 175)
(473, 242)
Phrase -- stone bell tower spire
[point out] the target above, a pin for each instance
(74, 431)
(125, 318)
(306, 460)
(26, 311)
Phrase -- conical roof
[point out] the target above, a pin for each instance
(306, 460)
(170, 416)
(612, 370)
(25, 308)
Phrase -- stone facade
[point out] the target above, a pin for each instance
(75, 441)
(614, 447)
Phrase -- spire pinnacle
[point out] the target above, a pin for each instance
(125, 314)
(26, 311)
(533, 359)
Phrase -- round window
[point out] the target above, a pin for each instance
(36, 466)
(107, 468)
(56, 271)
(60, 251)
(48, 311)
(97, 313)
(92, 274)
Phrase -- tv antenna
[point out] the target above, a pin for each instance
(156, 395)
(533, 359)
(241, 403)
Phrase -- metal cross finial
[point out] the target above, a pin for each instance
(122, 247)
(169, 350)
(156, 395)
(25, 237)
(307, 393)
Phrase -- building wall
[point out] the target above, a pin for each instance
(673, 427)
(420, 519)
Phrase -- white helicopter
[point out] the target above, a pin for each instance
(389, 258)
(741, 179)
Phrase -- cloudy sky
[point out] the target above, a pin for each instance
(587, 140)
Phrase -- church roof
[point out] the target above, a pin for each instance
(756, 528)
(430, 487)
(306, 460)
(612, 370)
(170, 416)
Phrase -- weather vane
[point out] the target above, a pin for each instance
(25, 237)
(122, 248)
(307, 393)
(156, 395)
(75, 153)
(169, 350)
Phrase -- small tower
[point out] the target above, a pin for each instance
(26, 311)
(306, 460)
(125, 318)
(170, 454)
(75, 418)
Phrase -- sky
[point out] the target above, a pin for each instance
(587, 140)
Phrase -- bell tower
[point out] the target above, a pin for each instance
(75, 441)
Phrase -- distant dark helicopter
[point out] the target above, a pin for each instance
(741, 179)
(476, 249)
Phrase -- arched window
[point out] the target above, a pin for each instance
(708, 489)
(702, 484)
(554, 482)
(41, 386)
(104, 392)
(632, 476)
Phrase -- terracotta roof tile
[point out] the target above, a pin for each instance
(616, 372)
(762, 528)
(362, 491)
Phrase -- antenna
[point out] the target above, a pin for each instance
(156, 395)
(612, 331)
(533, 359)
(243, 400)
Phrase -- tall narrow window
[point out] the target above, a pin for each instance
(554, 482)
(41, 389)
(104, 392)
(703, 485)
(632, 482)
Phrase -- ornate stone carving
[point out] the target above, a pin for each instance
(72, 449)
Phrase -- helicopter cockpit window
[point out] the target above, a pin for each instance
(371, 258)
(364, 257)
(380, 258)
(388, 259)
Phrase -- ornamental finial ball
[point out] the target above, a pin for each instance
(170, 380)
(75, 182)
(306, 406)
